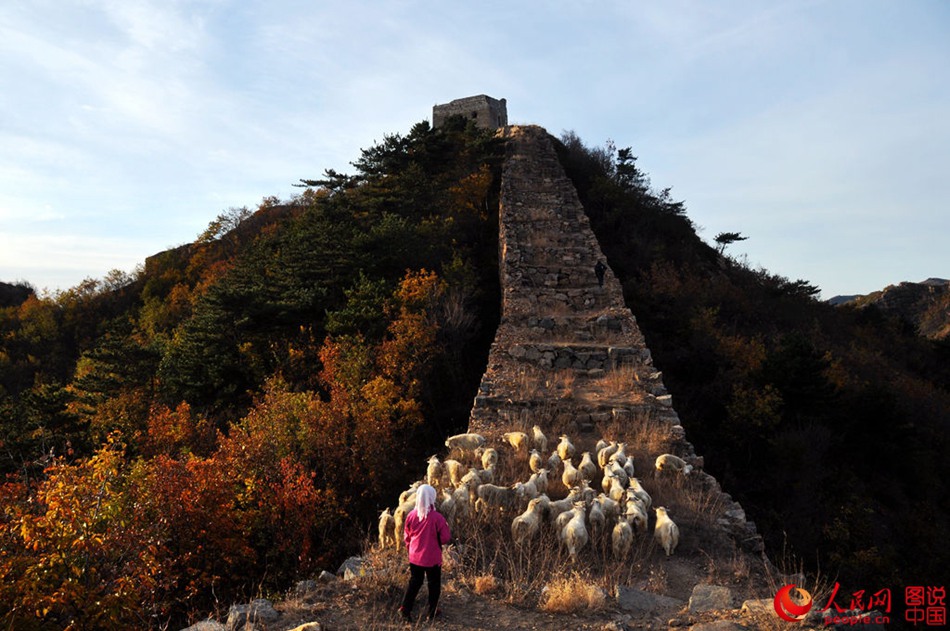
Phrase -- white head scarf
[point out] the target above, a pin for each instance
(425, 500)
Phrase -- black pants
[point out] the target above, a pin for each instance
(434, 578)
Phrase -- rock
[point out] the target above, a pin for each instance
(326, 577)
(759, 606)
(640, 601)
(260, 610)
(709, 597)
(351, 569)
(302, 587)
(718, 625)
(207, 625)
(308, 626)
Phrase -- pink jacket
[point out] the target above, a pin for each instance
(425, 538)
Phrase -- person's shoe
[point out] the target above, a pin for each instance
(434, 614)
(404, 614)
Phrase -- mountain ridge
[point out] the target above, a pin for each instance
(924, 305)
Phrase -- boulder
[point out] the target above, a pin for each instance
(759, 606)
(351, 569)
(207, 625)
(638, 600)
(710, 597)
(719, 625)
(260, 610)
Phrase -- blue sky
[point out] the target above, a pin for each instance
(818, 129)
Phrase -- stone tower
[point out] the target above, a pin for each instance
(487, 112)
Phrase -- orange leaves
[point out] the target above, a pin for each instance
(109, 541)
(178, 431)
(75, 544)
(410, 345)
(471, 193)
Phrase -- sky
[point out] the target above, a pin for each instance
(819, 130)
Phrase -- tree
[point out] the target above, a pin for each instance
(726, 238)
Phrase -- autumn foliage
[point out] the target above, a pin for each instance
(227, 419)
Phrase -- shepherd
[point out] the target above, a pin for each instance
(425, 532)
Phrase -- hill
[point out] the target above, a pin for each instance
(231, 418)
(924, 307)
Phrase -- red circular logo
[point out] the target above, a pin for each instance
(792, 608)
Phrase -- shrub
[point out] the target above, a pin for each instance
(571, 593)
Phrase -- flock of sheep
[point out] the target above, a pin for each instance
(467, 484)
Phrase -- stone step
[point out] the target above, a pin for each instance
(579, 356)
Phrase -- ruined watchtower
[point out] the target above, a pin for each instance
(487, 112)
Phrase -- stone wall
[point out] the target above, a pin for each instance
(487, 112)
(568, 354)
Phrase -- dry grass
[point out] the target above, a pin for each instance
(561, 383)
(486, 584)
(621, 381)
(645, 435)
(528, 383)
(568, 594)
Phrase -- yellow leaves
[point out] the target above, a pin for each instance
(471, 193)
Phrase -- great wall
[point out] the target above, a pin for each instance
(568, 354)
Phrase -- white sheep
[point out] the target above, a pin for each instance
(614, 470)
(636, 515)
(621, 539)
(454, 470)
(610, 507)
(604, 453)
(399, 519)
(434, 472)
(410, 493)
(535, 461)
(671, 463)
(600, 445)
(562, 518)
(489, 458)
(666, 533)
(636, 490)
(620, 455)
(479, 476)
(542, 481)
(526, 525)
(518, 440)
(596, 519)
(387, 529)
(628, 467)
(491, 495)
(557, 508)
(554, 462)
(617, 490)
(448, 507)
(565, 448)
(463, 501)
(587, 466)
(539, 440)
(571, 476)
(465, 442)
(574, 535)
(528, 490)
(584, 492)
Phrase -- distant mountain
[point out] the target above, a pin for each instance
(924, 305)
